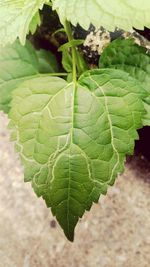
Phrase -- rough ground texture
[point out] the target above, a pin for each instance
(115, 233)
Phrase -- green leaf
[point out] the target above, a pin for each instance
(67, 60)
(132, 58)
(124, 14)
(70, 77)
(81, 64)
(19, 63)
(73, 139)
(36, 21)
(47, 61)
(16, 18)
(72, 43)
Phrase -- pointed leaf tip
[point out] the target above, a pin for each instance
(70, 236)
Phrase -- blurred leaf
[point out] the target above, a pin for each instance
(47, 61)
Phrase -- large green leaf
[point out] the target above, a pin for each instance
(73, 139)
(19, 63)
(132, 58)
(124, 14)
(16, 17)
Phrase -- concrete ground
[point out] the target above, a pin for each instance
(115, 233)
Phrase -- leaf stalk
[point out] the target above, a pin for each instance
(73, 49)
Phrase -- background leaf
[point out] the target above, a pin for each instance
(124, 14)
(47, 61)
(36, 21)
(67, 60)
(132, 58)
(19, 63)
(16, 18)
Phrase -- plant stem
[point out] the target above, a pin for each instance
(57, 74)
(73, 49)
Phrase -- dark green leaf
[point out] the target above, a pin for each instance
(132, 58)
(73, 138)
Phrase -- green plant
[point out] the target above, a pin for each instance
(73, 133)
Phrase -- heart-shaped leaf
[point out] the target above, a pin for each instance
(73, 139)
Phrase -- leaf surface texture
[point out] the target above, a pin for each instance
(135, 60)
(19, 63)
(73, 139)
(123, 14)
(17, 17)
